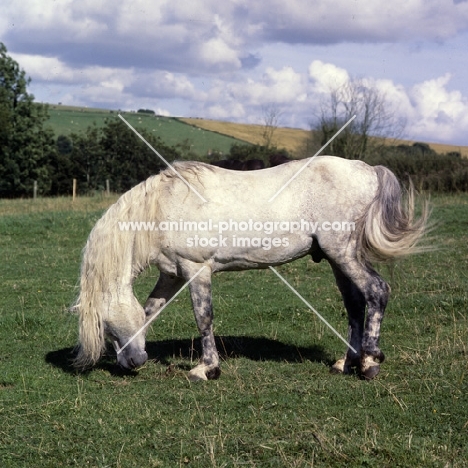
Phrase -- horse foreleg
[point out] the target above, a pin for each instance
(200, 293)
(355, 304)
(164, 290)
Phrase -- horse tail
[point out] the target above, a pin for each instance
(388, 229)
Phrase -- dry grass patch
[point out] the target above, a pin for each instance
(292, 139)
(41, 205)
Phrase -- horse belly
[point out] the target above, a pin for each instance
(241, 251)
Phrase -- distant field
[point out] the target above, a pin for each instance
(292, 139)
(65, 120)
(204, 135)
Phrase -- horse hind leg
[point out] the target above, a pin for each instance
(375, 292)
(355, 305)
(377, 295)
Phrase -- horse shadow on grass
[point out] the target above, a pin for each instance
(229, 347)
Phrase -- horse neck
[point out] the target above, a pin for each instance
(116, 255)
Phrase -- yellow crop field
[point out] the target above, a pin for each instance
(292, 139)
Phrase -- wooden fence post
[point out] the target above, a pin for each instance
(35, 190)
(74, 189)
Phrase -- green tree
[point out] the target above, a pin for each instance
(26, 147)
(127, 160)
(86, 160)
(246, 152)
(112, 152)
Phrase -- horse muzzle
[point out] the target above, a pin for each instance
(130, 357)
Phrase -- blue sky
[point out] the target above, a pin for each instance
(232, 59)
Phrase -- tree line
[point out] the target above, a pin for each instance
(111, 153)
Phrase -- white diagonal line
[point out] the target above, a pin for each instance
(311, 308)
(160, 157)
(310, 160)
(119, 350)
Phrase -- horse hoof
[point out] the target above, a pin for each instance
(371, 372)
(213, 374)
(197, 374)
(201, 373)
(345, 366)
(369, 367)
(381, 357)
(338, 367)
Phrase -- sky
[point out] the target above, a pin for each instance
(238, 60)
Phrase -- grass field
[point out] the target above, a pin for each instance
(275, 405)
(66, 120)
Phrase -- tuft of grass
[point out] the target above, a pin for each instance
(276, 404)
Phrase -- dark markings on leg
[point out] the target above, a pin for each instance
(355, 304)
(200, 291)
(367, 284)
(377, 294)
(164, 290)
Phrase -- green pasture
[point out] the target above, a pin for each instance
(65, 120)
(276, 403)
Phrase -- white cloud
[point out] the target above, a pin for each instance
(396, 95)
(326, 76)
(219, 55)
(51, 69)
(440, 114)
(230, 110)
(45, 68)
(161, 84)
(283, 86)
(275, 87)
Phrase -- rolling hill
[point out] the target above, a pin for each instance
(65, 120)
(202, 135)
